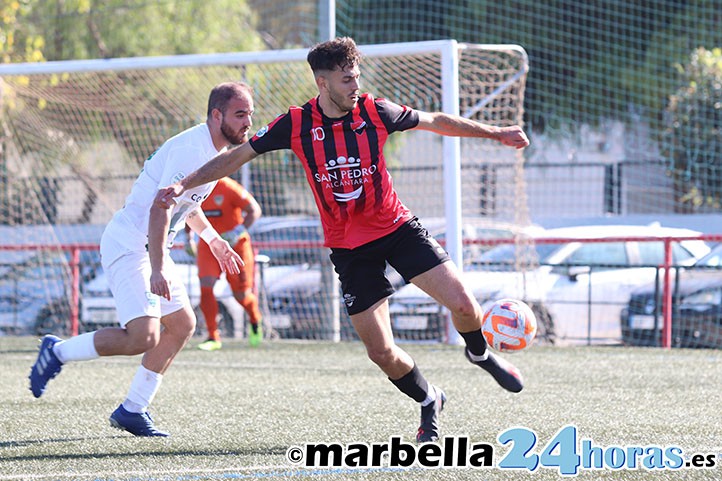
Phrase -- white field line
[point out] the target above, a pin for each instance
(241, 472)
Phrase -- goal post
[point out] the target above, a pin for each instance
(75, 134)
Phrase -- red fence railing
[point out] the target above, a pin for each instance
(75, 278)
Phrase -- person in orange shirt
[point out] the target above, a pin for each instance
(231, 210)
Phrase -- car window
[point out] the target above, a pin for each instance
(679, 253)
(504, 257)
(593, 253)
(283, 253)
(294, 233)
(472, 251)
(652, 253)
(713, 259)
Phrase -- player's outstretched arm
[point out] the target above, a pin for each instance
(219, 166)
(227, 258)
(456, 126)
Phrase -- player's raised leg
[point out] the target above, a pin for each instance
(374, 329)
(443, 283)
(110, 341)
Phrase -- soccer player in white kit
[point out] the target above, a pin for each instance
(134, 253)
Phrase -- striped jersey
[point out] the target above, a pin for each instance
(344, 164)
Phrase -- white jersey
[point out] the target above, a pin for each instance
(175, 159)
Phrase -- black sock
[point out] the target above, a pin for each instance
(413, 384)
(475, 342)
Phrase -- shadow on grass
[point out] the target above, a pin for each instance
(32, 442)
(34, 350)
(259, 450)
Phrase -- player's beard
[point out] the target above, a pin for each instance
(234, 137)
(344, 103)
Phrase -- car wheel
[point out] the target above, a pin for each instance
(545, 325)
(54, 318)
(226, 324)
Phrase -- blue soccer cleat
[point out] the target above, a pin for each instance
(137, 424)
(46, 366)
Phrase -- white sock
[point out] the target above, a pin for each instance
(78, 348)
(481, 358)
(142, 390)
(430, 397)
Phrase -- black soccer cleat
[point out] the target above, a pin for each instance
(429, 429)
(503, 372)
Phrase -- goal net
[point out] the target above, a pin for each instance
(75, 135)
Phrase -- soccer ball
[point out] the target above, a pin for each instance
(509, 325)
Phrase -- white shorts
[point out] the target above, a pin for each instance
(129, 281)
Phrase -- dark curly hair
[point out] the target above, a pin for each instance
(339, 53)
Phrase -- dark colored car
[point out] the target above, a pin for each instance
(696, 307)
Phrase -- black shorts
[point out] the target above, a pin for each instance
(362, 271)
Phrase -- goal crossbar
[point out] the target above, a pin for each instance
(231, 58)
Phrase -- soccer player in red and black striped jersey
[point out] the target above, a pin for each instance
(339, 138)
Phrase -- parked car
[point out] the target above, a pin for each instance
(696, 307)
(576, 289)
(35, 283)
(28, 288)
(97, 307)
(287, 242)
(298, 305)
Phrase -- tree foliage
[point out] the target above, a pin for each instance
(651, 79)
(590, 61)
(80, 29)
(18, 43)
(694, 131)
